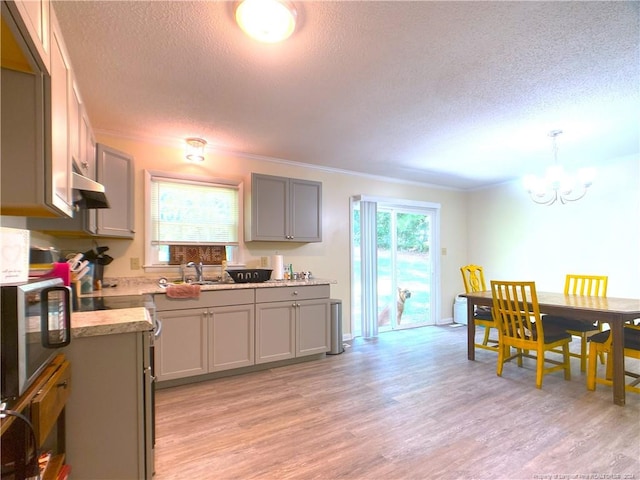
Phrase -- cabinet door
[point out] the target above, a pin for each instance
(116, 173)
(182, 349)
(35, 16)
(60, 100)
(269, 210)
(312, 327)
(75, 126)
(305, 211)
(275, 331)
(105, 414)
(84, 222)
(88, 165)
(284, 209)
(231, 337)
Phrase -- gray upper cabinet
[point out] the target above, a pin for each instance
(116, 173)
(36, 161)
(83, 153)
(36, 18)
(283, 209)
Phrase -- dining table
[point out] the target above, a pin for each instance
(613, 311)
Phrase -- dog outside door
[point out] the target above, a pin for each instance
(385, 314)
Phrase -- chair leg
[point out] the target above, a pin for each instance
(583, 352)
(486, 336)
(593, 365)
(609, 367)
(539, 368)
(501, 357)
(566, 362)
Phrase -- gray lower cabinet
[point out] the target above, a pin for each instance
(218, 334)
(109, 411)
(294, 324)
(229, 329)
(275, 331)
(182, 348)
(231, 337)
(313, 333)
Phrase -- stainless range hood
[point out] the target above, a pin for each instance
(88, 193)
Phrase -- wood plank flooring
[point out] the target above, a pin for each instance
(407, 405)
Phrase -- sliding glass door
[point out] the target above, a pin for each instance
(394, 274)
(404, 269)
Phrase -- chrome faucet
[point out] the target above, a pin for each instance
(198, 268)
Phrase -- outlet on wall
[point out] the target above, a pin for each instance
(135, 263)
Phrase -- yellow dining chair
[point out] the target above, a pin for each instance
(599, 344)
(586, 285)
(473, 278)
(517, 316)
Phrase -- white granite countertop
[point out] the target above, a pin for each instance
(109, 322)
(136, 286)
(129, 320)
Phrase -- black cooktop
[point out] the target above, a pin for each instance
(91, 304)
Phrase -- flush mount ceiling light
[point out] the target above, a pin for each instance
(195, 149)
(268, 21)
(557, 185)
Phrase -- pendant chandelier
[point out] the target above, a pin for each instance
(558, 185)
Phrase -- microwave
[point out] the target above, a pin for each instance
(35, 321)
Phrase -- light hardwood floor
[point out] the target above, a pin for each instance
(408, 405)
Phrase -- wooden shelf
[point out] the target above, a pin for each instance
(44, 403)
(25, 400)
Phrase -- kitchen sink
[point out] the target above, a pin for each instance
(163, 282)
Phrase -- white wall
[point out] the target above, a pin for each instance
(513, 238)
(499, 228)
(328, 259)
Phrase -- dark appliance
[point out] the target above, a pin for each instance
(36, 322)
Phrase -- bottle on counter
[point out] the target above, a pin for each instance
(224, 275)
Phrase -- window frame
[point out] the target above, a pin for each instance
(149, 257)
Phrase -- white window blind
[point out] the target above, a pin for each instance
(185, 212)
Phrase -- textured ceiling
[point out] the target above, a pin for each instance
(460, 94)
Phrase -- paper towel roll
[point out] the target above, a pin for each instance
(277, 265)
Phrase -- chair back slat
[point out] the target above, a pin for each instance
(516, 312)
(587, 285)
(473, 278)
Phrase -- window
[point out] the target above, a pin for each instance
(190, 211)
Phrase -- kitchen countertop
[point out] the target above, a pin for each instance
(110, 322)
(145, 286)
(129, 320)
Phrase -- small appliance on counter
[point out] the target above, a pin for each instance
(36, 322)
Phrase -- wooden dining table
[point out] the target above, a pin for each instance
(613, 311)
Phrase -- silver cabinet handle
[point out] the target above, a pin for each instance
(158, 328)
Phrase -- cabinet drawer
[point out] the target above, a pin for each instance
(49, 402)
(218, 298)
(282, 294)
